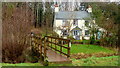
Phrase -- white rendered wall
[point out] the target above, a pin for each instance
(57, 23)
(81, 23)
(58, 32)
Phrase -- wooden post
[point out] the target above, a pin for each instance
(61, 46)
(68, 49)
(55, 45)
(32, 41)
(47, 42)
(37, 45)
(45, 48)
(51, 43)
(41, 49)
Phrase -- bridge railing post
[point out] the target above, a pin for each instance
(55, 44)
(41, 49)
(45, 43)
(69, 45)
(61, 46)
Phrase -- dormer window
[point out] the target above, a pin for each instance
(75, 22)
(64, 21)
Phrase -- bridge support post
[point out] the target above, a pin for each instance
(69, 45)
(45, 43)
(41, 50)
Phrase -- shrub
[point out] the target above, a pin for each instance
(70, 37)
(97, 42)
(92, 40)
(32, 55)
(12, 52)
(109, 41)
(16, 27)
(86, 41)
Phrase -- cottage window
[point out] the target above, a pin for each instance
(98, 35)
(75, 22)
(86, 23)
(65, 32)
(86, 32)
(63, 24)
(76, 32)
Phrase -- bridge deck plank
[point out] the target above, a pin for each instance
(55, 57)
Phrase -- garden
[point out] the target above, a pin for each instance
(83, 55)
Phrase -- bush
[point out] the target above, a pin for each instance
(70, 37)
(92, 40)
(32, 55)
(77, 41)
(97, 42)
(16, 27)
(13, 53)
(109, 41)
(86, 41)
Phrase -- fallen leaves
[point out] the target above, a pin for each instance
(100, 54)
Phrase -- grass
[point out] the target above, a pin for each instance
(92, 61)
(87, 49)
(95, 61)
(22, 64)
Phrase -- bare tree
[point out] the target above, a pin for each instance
(17, 23)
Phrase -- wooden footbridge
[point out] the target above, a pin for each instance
(52, 49)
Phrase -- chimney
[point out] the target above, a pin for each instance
(56, 8)
(89, 9)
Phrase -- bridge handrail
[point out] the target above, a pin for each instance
(43, 43)
(40, 43)
(60, 45)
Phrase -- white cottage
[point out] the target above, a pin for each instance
(73, 23)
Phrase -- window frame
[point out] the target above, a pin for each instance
(87, 23)
(88, 33)
(75, 22)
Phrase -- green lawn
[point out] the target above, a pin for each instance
(89, 49)
(22, 64)
(95, 61)
(80, 48)
(92, 61)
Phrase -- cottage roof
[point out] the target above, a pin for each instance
(72, 15)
